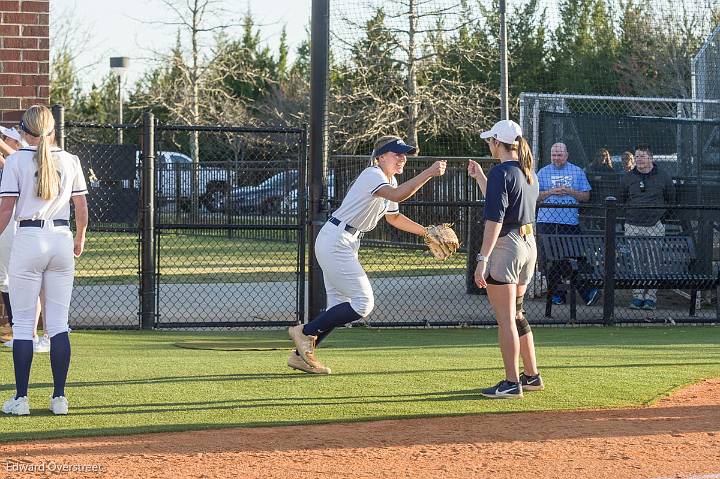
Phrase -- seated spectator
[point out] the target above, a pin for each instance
(628, 161)
(562, 183)
(645, 185)
(602, 163)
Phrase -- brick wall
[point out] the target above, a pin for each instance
(24, 56)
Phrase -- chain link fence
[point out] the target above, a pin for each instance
(230, 226)
(705, 83)
(221, 267)
(106, 290)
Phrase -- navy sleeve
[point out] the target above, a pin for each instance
(623, 191)
(496, 197)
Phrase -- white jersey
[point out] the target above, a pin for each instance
(360, 208)
(19, 179)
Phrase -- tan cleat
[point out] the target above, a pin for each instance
(296, 362)
(305, 345)
(5, 333)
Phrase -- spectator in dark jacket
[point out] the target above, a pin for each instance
(645, 185)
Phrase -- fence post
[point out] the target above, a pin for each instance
(302, 214)
(58, 112)
(147, 266)
(319, 65)
(609, 272)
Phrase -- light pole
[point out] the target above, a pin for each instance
(504, 106)
(119, 66)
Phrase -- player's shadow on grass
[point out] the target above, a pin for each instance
(254, 403)
(262, 376)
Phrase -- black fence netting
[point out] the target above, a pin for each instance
(664, 273)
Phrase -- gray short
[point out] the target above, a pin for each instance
(512, 261)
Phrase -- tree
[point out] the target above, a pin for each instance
(190, 84)
(656, 47)
(638, 49)
(64, 85)
(385, 86)
(584, 50)
(70, 36)
(288, 101)
(365, 91)
(528, 52)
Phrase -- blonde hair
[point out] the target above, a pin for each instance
(525, 157)
(603, 157)
(39, 122)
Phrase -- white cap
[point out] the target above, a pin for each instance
(11, 133)
(505, 131)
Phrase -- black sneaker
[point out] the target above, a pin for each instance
(503, 390)
(531, 383)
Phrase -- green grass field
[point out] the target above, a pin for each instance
(132, 382)
(112, 258)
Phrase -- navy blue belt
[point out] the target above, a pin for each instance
(350, 229)
(40, 223)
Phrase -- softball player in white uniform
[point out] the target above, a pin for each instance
(13, 142)
(374, 194)
(38, 183)
(10, 145)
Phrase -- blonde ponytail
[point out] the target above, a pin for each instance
(525, 159)
(39, 122)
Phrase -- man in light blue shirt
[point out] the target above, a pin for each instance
(562, 183)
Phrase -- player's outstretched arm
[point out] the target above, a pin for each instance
(410, 187)
(475, 171)
(402, 222)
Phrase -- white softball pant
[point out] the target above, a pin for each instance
(6, 242)
(41, 257)
(336, 251)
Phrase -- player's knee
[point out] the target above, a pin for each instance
(363, 305)
(23, 329)
(52, 329)
(523, 327)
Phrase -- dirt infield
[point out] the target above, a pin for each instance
(679, 437)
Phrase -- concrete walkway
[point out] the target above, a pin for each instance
(398, 300)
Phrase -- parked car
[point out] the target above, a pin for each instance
(264, 198)
(289, 204)
(174, 178)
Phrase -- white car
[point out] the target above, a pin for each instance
(174, 172)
